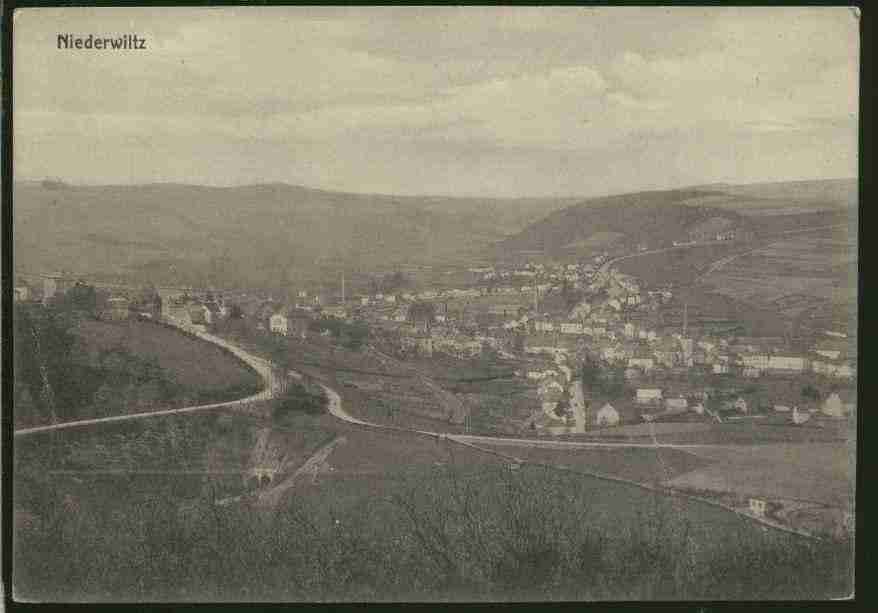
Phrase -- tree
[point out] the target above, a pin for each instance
(80, 297)
(810, 392)
(590, 372)
(235, 312)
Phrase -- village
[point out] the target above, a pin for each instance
(589, 342)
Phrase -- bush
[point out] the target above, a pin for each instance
(302, 399)
(487, 534)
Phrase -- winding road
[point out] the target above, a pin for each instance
(334, 406)
(260, 365)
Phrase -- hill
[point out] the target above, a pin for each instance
(657, 218)
(652, 218)
(101, 369)
(250, 235)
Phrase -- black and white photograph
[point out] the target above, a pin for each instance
(442, 304)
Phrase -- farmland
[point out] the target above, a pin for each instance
(793, 274)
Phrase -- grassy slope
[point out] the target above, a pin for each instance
(640, 217)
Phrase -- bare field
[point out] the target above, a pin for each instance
(820, 472)
(793, 274)
(642, 465)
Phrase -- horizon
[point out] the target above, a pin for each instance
(432, 195)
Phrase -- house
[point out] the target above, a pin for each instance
(758, 361)
(607, 416)
(800, 417)
(837, 369)
(787, 363)
(757, 507)
(116, 309)
(644, 363)
(337, 312)
(56, 283)
(571, 327)
(698, 407)
(830, 348)
(544, 326)
(22, 293)
(834, 407)
(781, 408)
(741, 405)
(279, 324)
(200, 315)
(676, 404)
(648, 395)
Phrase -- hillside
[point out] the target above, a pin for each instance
(278, 234)
(658, 218)
(652, 218)
(250, 235)
(101, 369)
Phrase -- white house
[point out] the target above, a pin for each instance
(200, 314)
(571, 328)
(757, 507)
(646, 364)
(758, 361)
(787, 363)
(741, 405)
(648, 395)
(279, 324)
(833, 406)
(607, 415)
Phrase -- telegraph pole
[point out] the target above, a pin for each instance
(685, 316)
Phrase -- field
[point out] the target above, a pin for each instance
(678, 266)
(642, 465)
(793, 275)
(818, 472)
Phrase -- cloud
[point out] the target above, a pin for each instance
(348, 96)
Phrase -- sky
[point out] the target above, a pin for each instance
(462, 101)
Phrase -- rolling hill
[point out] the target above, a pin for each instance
(658, 218)
(250, 235)
(652, 218)
(277, 234)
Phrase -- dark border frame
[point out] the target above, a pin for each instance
(865, 592)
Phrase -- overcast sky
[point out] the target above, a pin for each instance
(459, 101)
